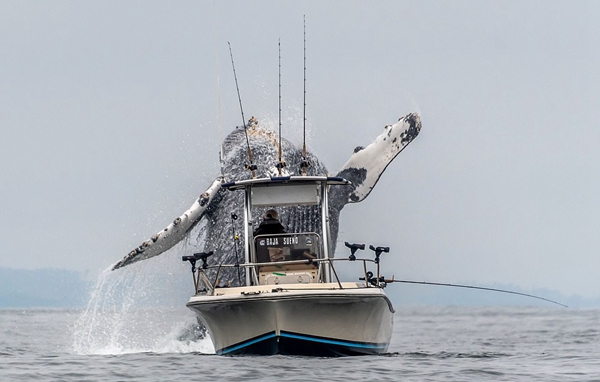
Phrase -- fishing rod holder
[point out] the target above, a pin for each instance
(379, 280)
(203, 256)
(378, 251)
(375, 281)
(304, 165)
(197, 256)
(192, 261)
(353, 249)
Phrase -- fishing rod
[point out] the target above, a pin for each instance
(281, 163)
(252, 167)
(236, 238)
(304, 165)
(382, 281)
(473, 287)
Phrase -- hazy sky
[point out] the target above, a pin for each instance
(110, 125)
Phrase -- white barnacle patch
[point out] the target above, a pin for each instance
(203, 199)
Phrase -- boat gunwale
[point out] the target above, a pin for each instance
(259, 294)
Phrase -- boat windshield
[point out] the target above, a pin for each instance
(287, 247)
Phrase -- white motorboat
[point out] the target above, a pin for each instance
(290, 299)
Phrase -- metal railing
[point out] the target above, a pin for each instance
(201, 278)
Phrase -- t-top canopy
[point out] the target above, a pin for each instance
(266, 182)
(286, 190)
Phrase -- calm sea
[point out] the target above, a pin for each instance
(429, 344)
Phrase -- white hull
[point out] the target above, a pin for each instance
(312, 319)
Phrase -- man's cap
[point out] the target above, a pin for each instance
(271, 214)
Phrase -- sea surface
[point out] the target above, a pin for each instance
(429, 344)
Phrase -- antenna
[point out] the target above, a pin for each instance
(304, 165)
(252, 167)
(218, 84)
(281, 163)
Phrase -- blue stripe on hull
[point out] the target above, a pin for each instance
(254, 343)
(301, 344)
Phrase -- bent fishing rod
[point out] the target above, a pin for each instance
(472, 287)
(252, 167)
(381, 280)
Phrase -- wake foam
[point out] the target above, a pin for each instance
(141, 308)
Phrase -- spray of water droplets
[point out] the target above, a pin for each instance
(141, 308)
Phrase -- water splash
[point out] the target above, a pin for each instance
(141, 308)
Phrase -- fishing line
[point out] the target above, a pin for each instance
(474, 287)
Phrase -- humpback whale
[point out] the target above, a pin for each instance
(217, 207)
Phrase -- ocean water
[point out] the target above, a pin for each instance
(429, 344)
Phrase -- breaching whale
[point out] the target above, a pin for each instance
(216, 206)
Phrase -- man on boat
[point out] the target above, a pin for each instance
(270, 224)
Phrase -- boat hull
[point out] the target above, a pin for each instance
(315, 322)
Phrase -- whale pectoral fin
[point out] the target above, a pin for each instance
(367, 164)
(175, 232)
